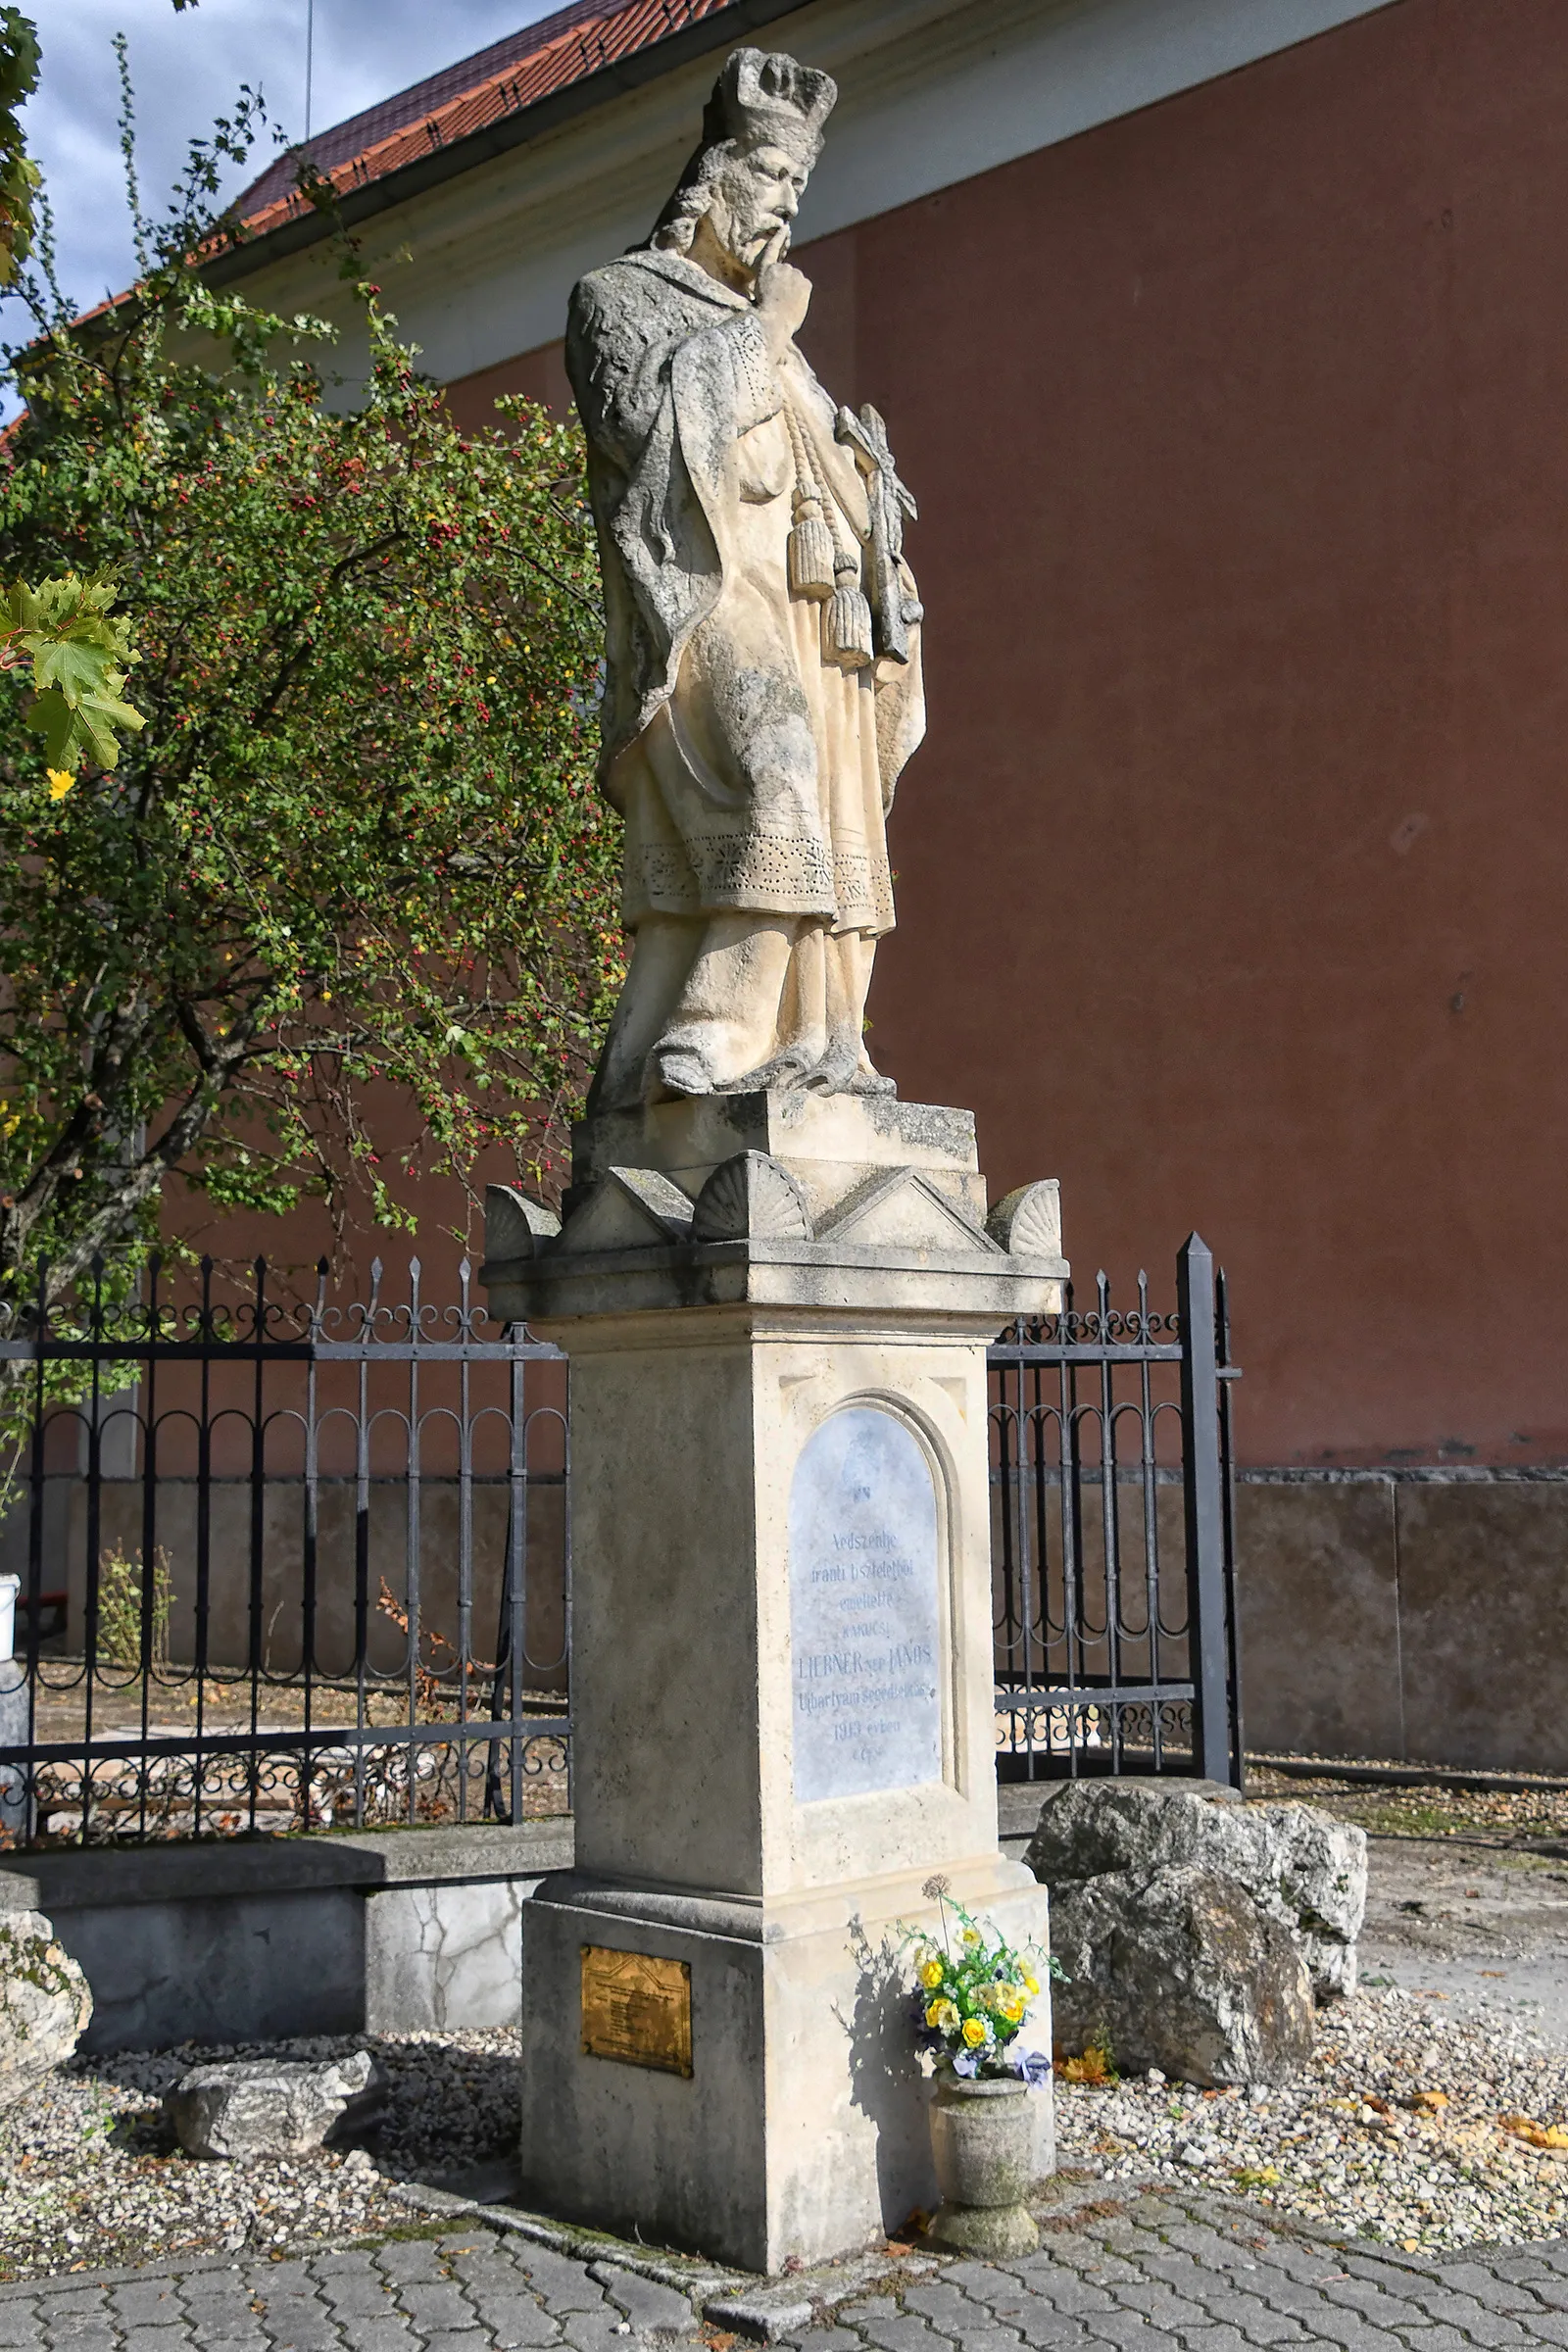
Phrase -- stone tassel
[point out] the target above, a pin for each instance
(810, 552)
(847, 618)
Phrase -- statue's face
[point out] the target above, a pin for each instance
(755, 197)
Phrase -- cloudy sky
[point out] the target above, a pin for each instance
(187, 68)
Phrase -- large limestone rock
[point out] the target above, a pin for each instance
(1300, 1865)
(1179, 1968)
(46, 2003)
(245, 2108)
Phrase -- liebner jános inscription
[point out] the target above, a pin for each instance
(864, 1610)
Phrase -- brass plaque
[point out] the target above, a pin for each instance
(637, 2008)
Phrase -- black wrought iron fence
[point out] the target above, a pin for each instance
(1114, 1549)
(283, 1563)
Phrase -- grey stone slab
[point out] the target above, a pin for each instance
(823, 2339)
(435, 2303)
(365, 2297)
(985, 2338)
(158, 2339)
(363, 2333)
(410, 2259)
(1547, 2328)
(564, 2284)
(901, 2332)
(458, 2340)
(301, 2328)
(646, 2303)
(600, 2330)
(149, 2302)
(1156, 2303)
(1230, 2307)
(945, 2307)
(513, 2319)
(1466, 2313)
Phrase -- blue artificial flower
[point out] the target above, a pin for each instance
(966, 2063)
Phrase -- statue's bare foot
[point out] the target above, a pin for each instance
(871, 1081)
(678, 1074)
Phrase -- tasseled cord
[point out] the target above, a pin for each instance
(823, 566)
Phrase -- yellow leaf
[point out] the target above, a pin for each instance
(1538, 2135)
(61, 781)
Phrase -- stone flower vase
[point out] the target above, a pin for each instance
(982, 2142)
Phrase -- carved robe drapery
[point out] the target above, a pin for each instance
(752, 773)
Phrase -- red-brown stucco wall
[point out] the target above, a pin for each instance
(1231, 875)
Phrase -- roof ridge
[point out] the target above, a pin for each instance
(359, 134)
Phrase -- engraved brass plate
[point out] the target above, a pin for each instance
(637, 2008)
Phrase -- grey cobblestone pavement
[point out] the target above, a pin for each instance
(1145, 2268)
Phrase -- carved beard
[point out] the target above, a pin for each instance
(740, 222)
(743, 236)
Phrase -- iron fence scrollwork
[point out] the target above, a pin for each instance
(1114, 1549)
(283, 1563)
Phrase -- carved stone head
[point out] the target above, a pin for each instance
(761, 133)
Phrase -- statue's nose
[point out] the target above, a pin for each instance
(789, 204)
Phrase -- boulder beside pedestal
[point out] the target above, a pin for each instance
(1196, 1929)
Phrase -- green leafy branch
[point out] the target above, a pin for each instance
(78, 655)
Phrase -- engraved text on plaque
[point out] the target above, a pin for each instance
(864, 1616)
(637, 2007)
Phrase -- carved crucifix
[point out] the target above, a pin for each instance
(888, 502)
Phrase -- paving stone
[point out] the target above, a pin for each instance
(903, 2332)
(564, 2284)
(514, 2319)
(363, 2333)
(1230, 2307)
(646, 2303)
(1155, 2301)
(594, 2331)
(942, 2305)
(1465, 2313)
(435, 2303)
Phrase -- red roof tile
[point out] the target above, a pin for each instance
(507, 79)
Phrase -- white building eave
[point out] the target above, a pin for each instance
(478, 263)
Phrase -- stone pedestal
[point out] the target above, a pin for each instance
(776, 1309)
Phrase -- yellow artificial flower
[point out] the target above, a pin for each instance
(971, 1937)
(941, 2017)
(974, 2031)
(1031, 1984)
(61, 781)
(931, 1973)
(1011, 2003)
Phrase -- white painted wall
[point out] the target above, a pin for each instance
(932, 92)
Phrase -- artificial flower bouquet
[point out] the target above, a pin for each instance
(973, 1995)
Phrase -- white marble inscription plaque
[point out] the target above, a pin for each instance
(864, 1622)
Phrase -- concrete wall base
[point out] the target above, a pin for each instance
(241, 1942)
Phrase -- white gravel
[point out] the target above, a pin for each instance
(91, 2177)
(1346, 2145)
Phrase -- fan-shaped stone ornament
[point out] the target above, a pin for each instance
(750, 1197)
(515, 1226)
(1027, 1222)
